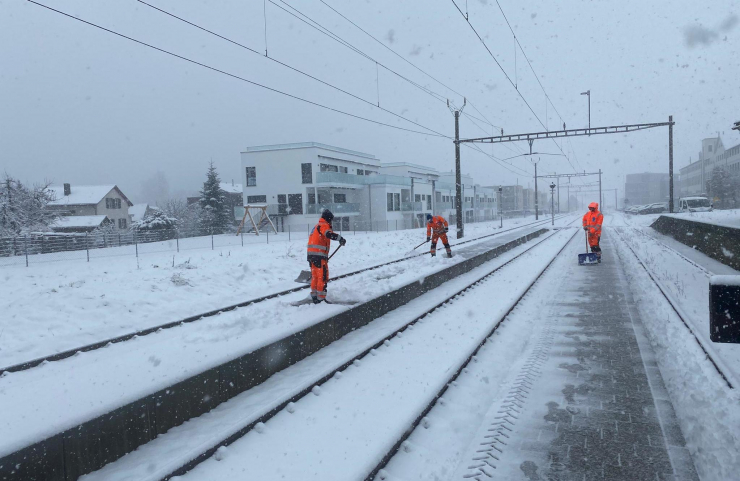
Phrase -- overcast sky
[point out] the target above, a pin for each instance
(81, 105)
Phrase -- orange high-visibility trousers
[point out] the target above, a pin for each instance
(319, 278)
(445, 242)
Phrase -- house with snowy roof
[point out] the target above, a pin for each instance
(91, 201)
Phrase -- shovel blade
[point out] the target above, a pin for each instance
(587, 259)
(304, 277)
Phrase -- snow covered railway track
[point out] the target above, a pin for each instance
(670, 249)
(215, 312)
(712, 358)
(264, 406)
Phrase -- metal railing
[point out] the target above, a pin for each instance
(336, 208)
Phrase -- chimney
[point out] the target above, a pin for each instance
(67, 189)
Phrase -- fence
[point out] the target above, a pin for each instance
(50, 247)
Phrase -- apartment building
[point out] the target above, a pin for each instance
(694, 177)
(646, 188)
(298, 181)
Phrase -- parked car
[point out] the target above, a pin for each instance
(657, 208)
(694, 204)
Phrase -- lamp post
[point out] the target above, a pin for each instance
(588, 92)
(501, 205)
(552, 202)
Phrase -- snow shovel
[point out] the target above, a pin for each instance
(589, 257)
(412, 250)
(305, 276)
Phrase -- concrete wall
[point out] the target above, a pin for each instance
(718, 242)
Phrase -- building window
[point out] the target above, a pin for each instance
(282, 199)
(122, 224)
(328, 168)
(251, 176)
(307, 173)
(360, 172)
(709, 147)
(397, 201)
(417, 198)
(295, 203)
(112, 203)
(256, 199)
(343, 170)
(429, 202)
(340, 198)
(390, 202)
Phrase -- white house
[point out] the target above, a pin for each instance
(298, 181)
(92, 200)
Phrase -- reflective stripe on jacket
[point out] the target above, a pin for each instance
(320, 239)
(437, 224)
(593, 221)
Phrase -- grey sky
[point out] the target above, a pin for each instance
(81, 105)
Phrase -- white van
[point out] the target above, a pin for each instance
(694, 204)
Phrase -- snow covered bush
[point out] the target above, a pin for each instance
(23, 208)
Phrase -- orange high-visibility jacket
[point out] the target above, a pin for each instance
(437, 224)
(593, 220)
(320, 238)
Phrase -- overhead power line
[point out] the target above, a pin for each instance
(273, 59)
(410, 63)
(467, 20)
(223, 72)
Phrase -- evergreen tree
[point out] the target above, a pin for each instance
(724, 185)
(215, 217)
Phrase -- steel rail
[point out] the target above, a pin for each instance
(275, 410)
(25, 365)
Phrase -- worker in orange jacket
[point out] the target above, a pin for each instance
(437, 228)
(592, 221)
(318, 255)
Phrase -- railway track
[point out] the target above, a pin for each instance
(309, 387)
(677, 309)
(198, 317)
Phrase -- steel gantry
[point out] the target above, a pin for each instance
(555, 134)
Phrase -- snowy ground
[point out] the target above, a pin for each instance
(730, 217)
(56, 306)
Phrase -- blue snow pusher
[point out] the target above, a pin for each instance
(589, 257)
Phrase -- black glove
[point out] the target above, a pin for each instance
(342, 241)
(428, 238)
(447, 229)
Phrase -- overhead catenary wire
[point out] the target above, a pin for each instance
(237, 77)
(409, 62)
(467, 20)
(273, 59)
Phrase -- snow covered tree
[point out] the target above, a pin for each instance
(157, 220)
(724, 185)
(215, 217)
(23, 208)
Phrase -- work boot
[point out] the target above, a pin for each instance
(449, 254)
(434, 254)
(315, 299)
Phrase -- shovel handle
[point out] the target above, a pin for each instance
(335, 251)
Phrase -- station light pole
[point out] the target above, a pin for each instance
(501, 205)
(552, 202)
(588, 92)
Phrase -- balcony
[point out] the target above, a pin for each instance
(412, 206)
(439, 206)
(336, 209)
(352, 181)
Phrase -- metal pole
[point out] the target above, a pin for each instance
(211, 239)
(136, 245)
(27, 250)
(670, 164)
(601, 202)
(536, 201)
(569, 196)
(552, 203)
(87, 246)
(558, 194)
(589, 109)
(177, 240)
(458, 180)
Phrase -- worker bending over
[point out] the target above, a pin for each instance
(437, 228)
(592, 225)
(318, 255)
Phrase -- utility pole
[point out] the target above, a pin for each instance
(558, 178)
(552, 202)
(536, 200)
(501, 205)
(588, 92)
(670, 164)
(568, 195)
(458, 175)
(601, 201)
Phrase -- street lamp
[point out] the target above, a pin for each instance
(552, 202)
(588, 92)
(736, 126)
(501, 205)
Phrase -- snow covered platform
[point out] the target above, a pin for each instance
(589, 402)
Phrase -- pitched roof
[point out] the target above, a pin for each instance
(231, 188)
(83, 194)
(78, 221)
(138, 211)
